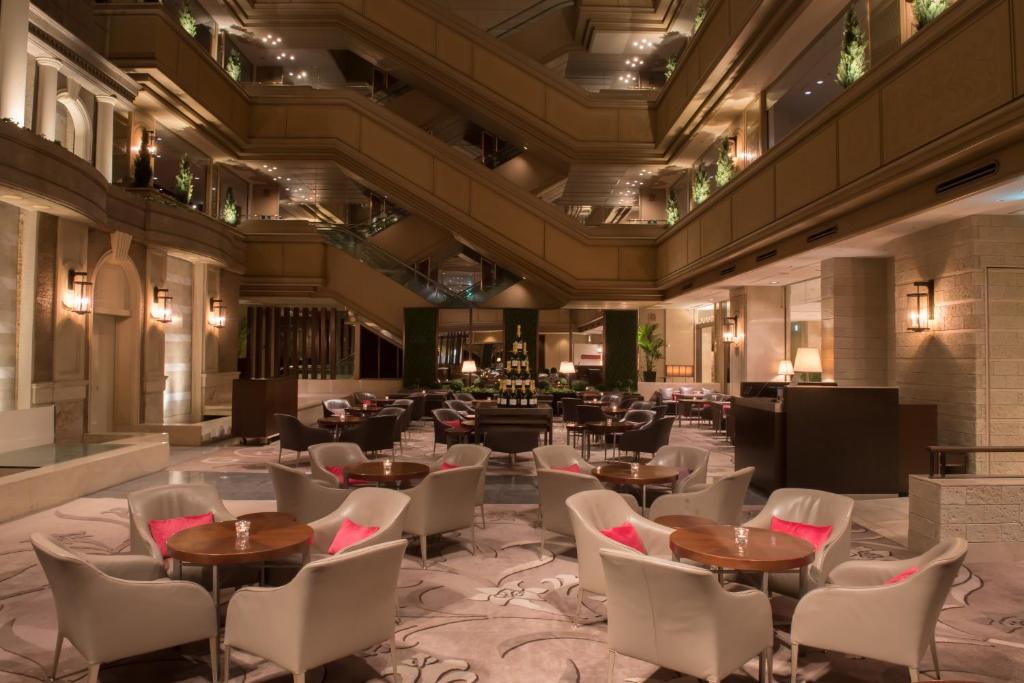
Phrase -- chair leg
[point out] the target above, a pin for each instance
(280, 452)
(611, 666)
(913, 675)
(213, 657)
(56, 654)
(543, 539)
(225, 667)
(472, 539)
(483, 518)
(94, 673)
(579, 606)
(394, 659)
(299, 678)
(794, 656)
(423, 550)
(935, 659)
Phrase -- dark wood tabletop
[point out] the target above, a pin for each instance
(765, 550)
(684, 521)
(621, 473)
(339, 421)
(270, 537)
(400, 471)
(609, 426)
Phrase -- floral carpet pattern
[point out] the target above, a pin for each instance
(499, 614)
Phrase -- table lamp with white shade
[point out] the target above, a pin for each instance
(469, 367)
(786, 370)
(566, 367)
(807, 360)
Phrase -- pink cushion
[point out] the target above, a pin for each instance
(902, 576)
(452, 423)
(348, 533)
(571, 468)
(163, 529)
(815, 535)
(448, 466)
(339, 472)
(684, 472)
(626, 534)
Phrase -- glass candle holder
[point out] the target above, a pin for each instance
(242, 528)
(742, 535)
(387, 466)
(634, 468)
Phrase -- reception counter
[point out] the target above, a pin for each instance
(840, 439)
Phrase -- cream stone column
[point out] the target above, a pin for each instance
(46, 109)
(105, 136)
(27, 256)
(13, 59)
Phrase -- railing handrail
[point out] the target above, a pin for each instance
(937, 459)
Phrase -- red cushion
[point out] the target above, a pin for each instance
(902, 576)
(815, 535)
(448, 466)
(339, 472)
(163, 529)
(348, 533)
(626, 534)
(452, 423)
(571, 468)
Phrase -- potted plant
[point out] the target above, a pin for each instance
(853, 56)
(184, 181)
(926, 11)
(652, 346)
(230, 213)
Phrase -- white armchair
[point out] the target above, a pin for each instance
(379, 507)
(469, 455)
(333, 608)
(809, 506)
(112, 607)
(678, 616)
(168, 502)
(859, 614)
(555, 488)
(721, 501)
(693, 459)
(443, 502)
(304, 498)
(592, 511)
(559, 455)
(336, 454)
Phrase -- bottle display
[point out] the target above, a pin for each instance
(518, 388)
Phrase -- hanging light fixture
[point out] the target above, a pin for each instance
(78, 297)
(161, 308)
(921, 306)
(217, 316)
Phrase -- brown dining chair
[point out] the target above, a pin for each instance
(511, 441)
(399, 414)
(647, 439)
(297, 437)
(380, 433)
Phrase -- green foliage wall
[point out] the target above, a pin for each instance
(620, 349)
(528, 318)
(420, 347)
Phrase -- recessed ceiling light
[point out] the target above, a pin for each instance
(821, 82)
(807, 92)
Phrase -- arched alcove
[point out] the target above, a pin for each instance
(74, 127)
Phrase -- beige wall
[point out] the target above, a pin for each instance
(178, 339)
(855, 303)
(10, 220)
(761, 334)
(679, 342)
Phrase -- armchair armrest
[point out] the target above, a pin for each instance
(129, 567)
(654, 536)
(853, 573)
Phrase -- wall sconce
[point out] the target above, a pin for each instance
(218, 318)
(78, 297)
(161, 308)
(679, 370)
(921, 305)
(729, 329)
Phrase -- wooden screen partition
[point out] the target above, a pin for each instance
(620, 359)
(309, 343)
(420, 366)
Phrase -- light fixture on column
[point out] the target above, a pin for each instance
(78, 297)
(729, 329)
(786, 369)
(161, 309)
(921, 306)
(217, 316)
(679, 370)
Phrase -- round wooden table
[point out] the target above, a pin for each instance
(338, 424)
(622, 473)
(603, 428)
(400, 471)
(684, 521)
(272, 535)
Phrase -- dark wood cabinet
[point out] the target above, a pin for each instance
(254, 402)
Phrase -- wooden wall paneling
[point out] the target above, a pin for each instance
(250, 342)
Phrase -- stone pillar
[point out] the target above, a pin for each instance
(28, 244)
(105, 136)
(46, 107)
(13, 59)
(855, 313)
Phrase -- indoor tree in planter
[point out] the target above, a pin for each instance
(234, 65)
(652, 346)
(230, 211)
(701, 189)
(183, 182)
(142, 171)
(187, 20)
(725, 169)
(853, 56)
(671, 207)
(926, 11)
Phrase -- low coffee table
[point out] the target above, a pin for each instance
(338, 424)
(401, 471)
(273, 535)
(622, 473)
(604, 427)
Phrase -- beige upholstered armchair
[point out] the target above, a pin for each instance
(443, 502)
(592, 511)
(304, 498)
(168, 502)
(110, 607)
(678, 616)
(859, 614)
(809, 506)
(371, 506)
(336, 454)
(334, 607)
(721, 501)
(559, 455)
(555, 488)
(691, 458)
(469, 455)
